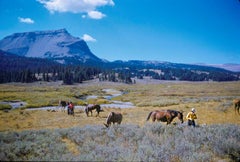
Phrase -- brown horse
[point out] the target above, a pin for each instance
(237, 105)
(89, 108)
(113, 117)
(165, 115)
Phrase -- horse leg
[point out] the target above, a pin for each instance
(238, 107)
(153, 119)
(170, 121)
(97, 113)
(235, 108)
(91, 112)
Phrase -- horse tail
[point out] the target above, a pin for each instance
(149, 115)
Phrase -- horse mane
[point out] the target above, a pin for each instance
(108, 117)
(177, 113)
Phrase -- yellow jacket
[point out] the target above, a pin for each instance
(191, 116)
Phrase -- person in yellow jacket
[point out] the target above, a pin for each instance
(191, 116)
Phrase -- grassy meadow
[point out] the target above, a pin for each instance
(213, 102)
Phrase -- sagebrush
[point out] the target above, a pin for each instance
(152, 142)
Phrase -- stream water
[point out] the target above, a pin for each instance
(111, 93)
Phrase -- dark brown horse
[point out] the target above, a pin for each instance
(62, 105)
(165, 115)
(113, 117)
(89, 108)
(237, 105)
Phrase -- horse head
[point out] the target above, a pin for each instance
(107, 125)
(86, 110)
(180, 116)
(109, 119)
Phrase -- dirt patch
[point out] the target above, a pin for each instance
(71, 146)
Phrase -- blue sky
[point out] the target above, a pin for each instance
(180, 31)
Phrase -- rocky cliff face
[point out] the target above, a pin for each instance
(56, 45)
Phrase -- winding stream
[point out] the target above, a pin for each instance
(111, 93)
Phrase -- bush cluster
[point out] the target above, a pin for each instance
(153, 142)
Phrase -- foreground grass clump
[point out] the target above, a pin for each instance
(153, 142)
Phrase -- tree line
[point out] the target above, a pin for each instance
(14, 68)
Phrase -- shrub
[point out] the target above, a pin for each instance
(153, 142)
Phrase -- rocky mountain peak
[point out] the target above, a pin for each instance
(57, 45)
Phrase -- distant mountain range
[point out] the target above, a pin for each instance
(37, 50)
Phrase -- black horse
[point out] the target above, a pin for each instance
(62, 105)
(89, 108)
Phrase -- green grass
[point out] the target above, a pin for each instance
(5, 107)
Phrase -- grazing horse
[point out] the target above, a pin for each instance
(113, 117)
(89, 108)
(62, 104)
(237, 105)
(165, 115)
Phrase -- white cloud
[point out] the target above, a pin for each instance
(88, 38)
(96, 15)
(25, 20)
(77, 6)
